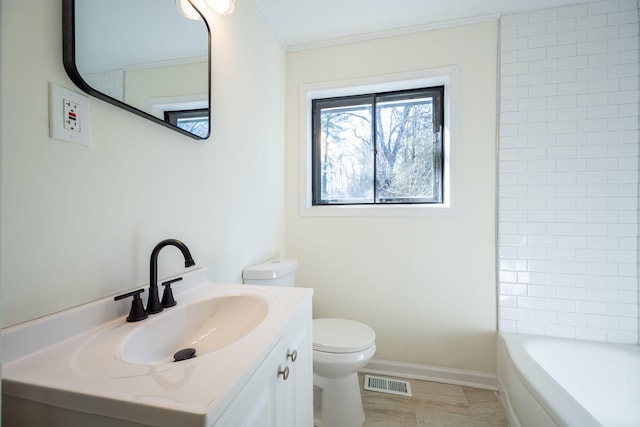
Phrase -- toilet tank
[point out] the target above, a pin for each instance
(277, 272)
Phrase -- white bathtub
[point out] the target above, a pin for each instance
(544, 381)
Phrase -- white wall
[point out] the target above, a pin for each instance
(425, 284)
(1, 156)
(110, 83)
(79, 223)
(568, 183)
(167, 82)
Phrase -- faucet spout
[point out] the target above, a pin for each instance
(153, 304)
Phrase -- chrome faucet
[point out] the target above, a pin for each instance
(153, 304)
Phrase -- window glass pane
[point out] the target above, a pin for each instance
(401, 162)
(346, 154)
(195, 121)
(406, 159)
(196, 125)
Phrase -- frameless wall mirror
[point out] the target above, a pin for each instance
(141, 55)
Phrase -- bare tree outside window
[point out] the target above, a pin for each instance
(346, 154)
(399, 162)
(194, 121)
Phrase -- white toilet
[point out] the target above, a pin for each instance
(340, 348)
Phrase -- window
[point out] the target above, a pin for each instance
(195, 121)
(379, 148)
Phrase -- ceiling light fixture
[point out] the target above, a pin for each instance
(186, 8)
(222, 7)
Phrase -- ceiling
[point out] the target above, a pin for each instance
(307, 23)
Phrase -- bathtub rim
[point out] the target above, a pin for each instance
(557, 403)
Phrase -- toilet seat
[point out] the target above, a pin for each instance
(341, 336)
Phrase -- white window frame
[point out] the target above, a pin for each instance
(447, 77)
(158, 105)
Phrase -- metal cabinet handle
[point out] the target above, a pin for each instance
(284, 373)
(293, 355)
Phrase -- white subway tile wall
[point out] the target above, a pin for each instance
(568, 172)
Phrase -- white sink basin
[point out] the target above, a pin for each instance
(207, 326)
(90, 360)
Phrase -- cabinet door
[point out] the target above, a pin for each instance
(259, 403)
(298, 401)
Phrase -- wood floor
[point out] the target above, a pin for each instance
(433, 405)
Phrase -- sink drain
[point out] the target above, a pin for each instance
(184, 354)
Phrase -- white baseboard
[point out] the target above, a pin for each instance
(460, 377)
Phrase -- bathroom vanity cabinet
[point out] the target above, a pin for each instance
(69, 369)
(280, 392)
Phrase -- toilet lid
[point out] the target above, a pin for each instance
(341, 336)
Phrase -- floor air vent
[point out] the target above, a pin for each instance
(387, 385)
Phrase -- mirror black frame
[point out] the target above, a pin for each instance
(69, 62)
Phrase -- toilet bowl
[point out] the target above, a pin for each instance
(340, 348)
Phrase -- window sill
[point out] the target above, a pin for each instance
(378, 210)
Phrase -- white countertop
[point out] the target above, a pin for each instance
(71, 359)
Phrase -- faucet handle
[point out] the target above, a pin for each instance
(137, 311)
(167, 295)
